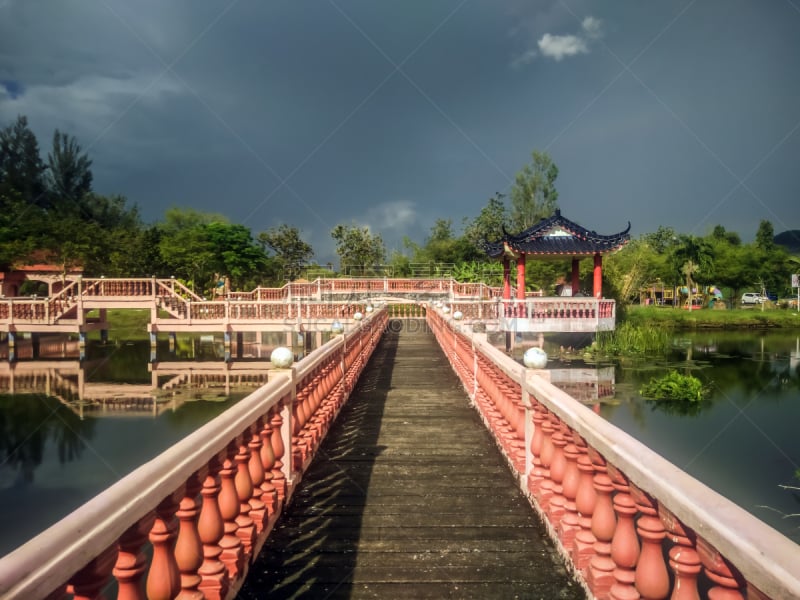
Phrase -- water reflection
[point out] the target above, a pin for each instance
(28, 423)
(171, 385)
(70, 428)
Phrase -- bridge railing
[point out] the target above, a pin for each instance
(537, 308)
(191, 520)
(629, 522)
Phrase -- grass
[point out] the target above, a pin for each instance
(633, 338)
(126, 324)
(738, 318)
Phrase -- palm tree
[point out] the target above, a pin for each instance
(692, 255)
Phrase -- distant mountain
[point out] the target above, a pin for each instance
(789, 240)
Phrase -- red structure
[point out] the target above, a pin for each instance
(555, 238)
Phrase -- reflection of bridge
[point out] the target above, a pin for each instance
(173, 384)
(193, 521)
(82, 304)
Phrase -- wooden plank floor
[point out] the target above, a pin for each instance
(409, 498)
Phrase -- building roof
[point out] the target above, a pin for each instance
(556, 236)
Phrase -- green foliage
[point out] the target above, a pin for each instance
(675, 387)
(631, 339)
(69, 177)
(291, 252)
(488, 225)
(358, 247)
(534, 195)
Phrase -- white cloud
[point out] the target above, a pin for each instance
(559, 46)
(593, 27)
(398, 214)
(523, 59)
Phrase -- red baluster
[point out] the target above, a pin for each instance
(211, 529)
(625, 544)
(88, 583)
(164, 578)
(728, 583)
(278, 478)
(189, 547)
(258, 510)
(131, 562)
(229, 509)
(569, 525)
(585, 500)
(652, 579)
(601, 566)
(683, 558)
(246, 529)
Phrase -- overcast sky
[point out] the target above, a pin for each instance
(392, 114)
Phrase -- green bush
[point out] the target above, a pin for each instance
(675, 387)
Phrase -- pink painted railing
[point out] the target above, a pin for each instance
(536, 308)
(630, 523)
(206, 505)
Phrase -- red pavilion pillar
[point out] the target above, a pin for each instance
(506, 279)
(576, 276)
(521, 277)
(598, 276)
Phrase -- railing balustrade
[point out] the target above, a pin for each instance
(630, 523)
(207, 504)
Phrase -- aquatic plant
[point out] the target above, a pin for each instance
(675, 387)
(629, 338)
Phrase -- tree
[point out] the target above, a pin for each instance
(291, 252)
(235, 254)
(488, 225)
(69, 177)
(765, 236)
(533, 195)
(356, 246)
(692, 255)
(21, 167)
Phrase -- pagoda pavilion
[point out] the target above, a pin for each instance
(554, 237)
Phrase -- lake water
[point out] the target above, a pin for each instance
(60, 445)
(744, 443)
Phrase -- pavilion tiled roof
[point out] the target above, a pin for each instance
(557, 236)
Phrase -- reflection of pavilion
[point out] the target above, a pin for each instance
(585, 384)
(172, 384)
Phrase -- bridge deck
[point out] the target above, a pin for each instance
(409, 498)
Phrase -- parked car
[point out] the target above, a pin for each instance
(752, 298)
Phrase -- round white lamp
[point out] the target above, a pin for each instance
(281, 357)
(369, 308)
(337, 328)
(535, 358)
(358, 316)
(458, 315)
(445, 309)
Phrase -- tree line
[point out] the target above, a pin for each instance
(50, 213)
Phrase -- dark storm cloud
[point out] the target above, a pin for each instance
(394, 114)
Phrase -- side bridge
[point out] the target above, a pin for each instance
(314, 305)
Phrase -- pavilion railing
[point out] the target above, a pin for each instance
(630, 523)
(190, 521)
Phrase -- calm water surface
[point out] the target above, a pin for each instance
(745, 441)
(58, 448)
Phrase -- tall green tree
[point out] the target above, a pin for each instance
(765, 236)
(358, 247)
(534, 195)
(21, 167)
(69, 177)
(291, 251)
(692, 258)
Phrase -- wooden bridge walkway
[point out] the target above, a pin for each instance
(409, 498)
